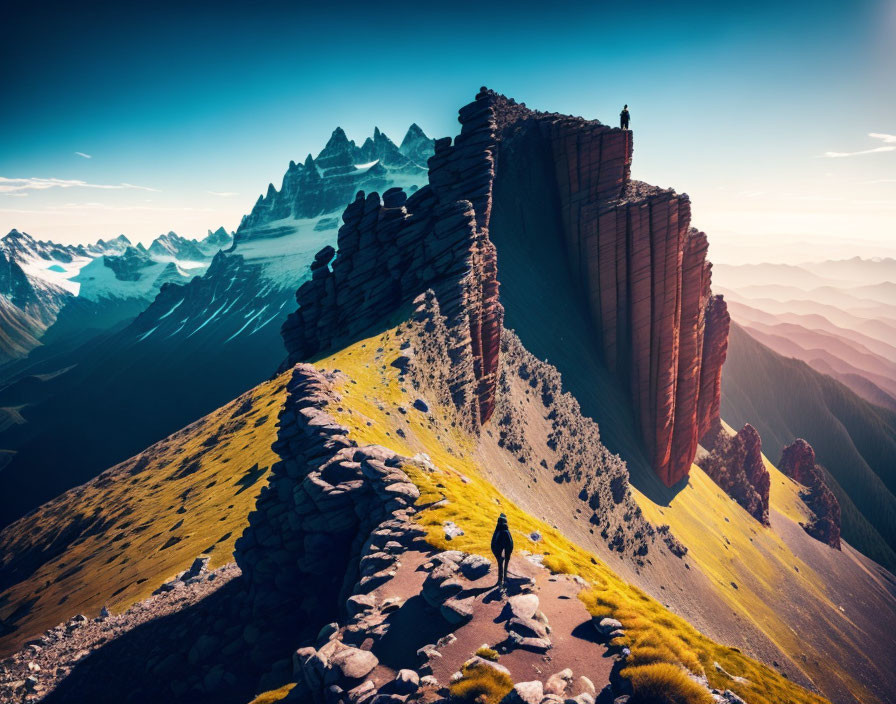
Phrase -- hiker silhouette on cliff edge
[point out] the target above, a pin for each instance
(502, 546)
(623, 118)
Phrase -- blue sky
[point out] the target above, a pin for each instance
(146, 118)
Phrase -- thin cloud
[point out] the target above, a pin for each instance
(83, 155)
(886, 138)
(223, 194)
(11, 185)
(71, 208)
(840, 155)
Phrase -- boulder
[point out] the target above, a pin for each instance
(525, 693)
(605, 625)
(452, 530)
(585, 686)
(535, 645)
(527, 627)
(350, 664)
(405, 682)
(474, 567)
(476, 660)
(457, 611)
(559, 683)
(523, 605)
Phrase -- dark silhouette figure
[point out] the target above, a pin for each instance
(623, 118)
(502, 546)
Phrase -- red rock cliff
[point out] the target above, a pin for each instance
(629, 248)
(643, 272)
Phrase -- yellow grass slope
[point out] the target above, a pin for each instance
(378, 409)
(115, 539)
(760, 577)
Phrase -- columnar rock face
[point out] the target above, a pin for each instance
(736, 465)
(798, 463)
(643, 272)
(715, 349)
(628, 245)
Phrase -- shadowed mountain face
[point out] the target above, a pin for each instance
(855, 441)
(197, 344)
(66, 294)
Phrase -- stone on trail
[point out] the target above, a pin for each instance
(476, 660)
(523, 605)
(351, 664)
(457, 611)
(405, 682)
(586, 686)
(536, 645)
(474, 567)
(559, 683)
(525, 693)
(605, 625)
(527, 627)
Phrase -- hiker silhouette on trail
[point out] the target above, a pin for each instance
(502, 546)
(623, 117)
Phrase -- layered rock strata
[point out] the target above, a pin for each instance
(629, 248)
(735, 463)
(798, 463)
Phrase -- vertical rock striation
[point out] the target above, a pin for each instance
(628, 245)
(643, 272)
(798, 463)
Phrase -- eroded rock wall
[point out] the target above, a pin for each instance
(301, 553)
(392, 250)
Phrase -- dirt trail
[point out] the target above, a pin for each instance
(416, 624)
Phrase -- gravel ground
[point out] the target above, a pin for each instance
(34, 672)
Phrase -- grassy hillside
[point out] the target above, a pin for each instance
(378, 409)
(115, 539)
(854, 440)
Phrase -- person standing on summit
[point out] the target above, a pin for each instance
(502, 546)
(623, 117)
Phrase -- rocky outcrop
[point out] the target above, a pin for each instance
(301, 553)
(735, 463)
(628, 246)
(798, 463)
(394, 248)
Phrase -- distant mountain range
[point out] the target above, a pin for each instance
(175, 335)
(837, 316)
(854, 440)
(66, 293)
